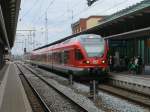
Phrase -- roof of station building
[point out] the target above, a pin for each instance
(131, 9)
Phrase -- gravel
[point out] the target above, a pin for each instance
(119, 104)
(58, 103)
(80, 99)
(55, 101)
(107, 101)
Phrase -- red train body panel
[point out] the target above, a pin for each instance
(84, 55)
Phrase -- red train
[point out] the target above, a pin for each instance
(84, 55)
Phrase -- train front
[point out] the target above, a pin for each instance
(94, 49)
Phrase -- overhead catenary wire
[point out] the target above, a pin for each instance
(118, 4)
(49, 5)
(39, 11)
(36, 21)
(75, 6)
(115, 5)
(35, 2)
(30, 9)
(105, 10)
(77, 14)
(86, 9)
(28, 12)
(66, 20)
(82, 11)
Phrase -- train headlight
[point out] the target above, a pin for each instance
(103, 61)
(87, 62)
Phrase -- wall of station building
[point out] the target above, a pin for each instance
(132, 47)
(92, 22)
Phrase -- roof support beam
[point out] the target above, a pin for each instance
(2, 24)
(130, 34)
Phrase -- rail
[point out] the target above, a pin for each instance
(63, 94)
(42, 103)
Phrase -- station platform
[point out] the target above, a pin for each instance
(126, 73)
(12, 95)
(139, 79)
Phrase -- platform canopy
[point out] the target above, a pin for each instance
(133, 20)
(9, 11)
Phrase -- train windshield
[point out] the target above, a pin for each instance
(93, 45)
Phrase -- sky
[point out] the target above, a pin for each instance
(60, 14)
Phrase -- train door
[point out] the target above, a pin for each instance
(66, 57)
(71, 57)
(78, 57)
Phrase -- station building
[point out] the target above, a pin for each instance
(86, 23)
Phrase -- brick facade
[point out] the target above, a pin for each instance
(85, 23)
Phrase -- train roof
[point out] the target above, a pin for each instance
(57, 46)
(64, 40)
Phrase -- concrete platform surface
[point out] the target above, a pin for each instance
(143, 80)
(12, 94)
(2, 72)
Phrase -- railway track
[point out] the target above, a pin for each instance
(130, 95)
(36, 102)
(140, 84)
(80, 107)
(129, 91)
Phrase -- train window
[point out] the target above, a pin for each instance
(78, 54)
(50, 57)
(54, 57)
(66, 57)
(57, 57)
(60, 57)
